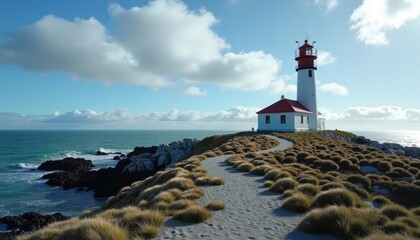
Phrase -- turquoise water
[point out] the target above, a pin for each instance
(21, 187)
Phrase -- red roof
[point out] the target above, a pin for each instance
(284, 106)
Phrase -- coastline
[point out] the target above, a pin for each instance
(205, 162)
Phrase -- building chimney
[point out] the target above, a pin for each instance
(282, 97)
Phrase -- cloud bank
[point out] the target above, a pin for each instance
(235, 118)
(155, 45)
(373, 18)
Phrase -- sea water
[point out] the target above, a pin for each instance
(22, 188)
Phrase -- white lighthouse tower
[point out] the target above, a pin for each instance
(306, 93)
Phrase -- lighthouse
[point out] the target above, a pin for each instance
(305, 56)
(288, 115)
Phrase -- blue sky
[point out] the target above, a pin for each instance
(203, 64)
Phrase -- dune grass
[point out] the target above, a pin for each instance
(345, 222)
(245, 167)
(215, 205)
(392, 211)
(217, 181)
(338, 197)
(283, 184)
(298, 202)
(193, 214)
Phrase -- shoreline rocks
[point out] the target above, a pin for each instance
(72, 170)
(393, 148)
(27, 222)
(137, 165)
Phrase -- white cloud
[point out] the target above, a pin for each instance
(155, 46)
(334, 88)
(373, 18)
(282, 85)
(388, 113)
(325, 58)
(195, 91)
(328, 4)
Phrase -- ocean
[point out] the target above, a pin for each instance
(22, 189)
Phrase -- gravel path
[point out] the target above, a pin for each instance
(252, 212)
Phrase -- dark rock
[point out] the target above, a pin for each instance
(140, 150)
(73, 170)
(99, 153)
(67, 164)
(28, 222)
(65, 179)
(116, 158)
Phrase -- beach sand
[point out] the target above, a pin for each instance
(252, 212)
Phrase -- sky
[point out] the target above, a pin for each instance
(204, 64)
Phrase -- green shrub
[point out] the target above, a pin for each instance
(193, 214)
(392, 211)
(339, 197)
(298, 202)
(283, 184)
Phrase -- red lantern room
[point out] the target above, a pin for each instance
(306, 56)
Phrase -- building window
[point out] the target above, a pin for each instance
(307, 119)
(267, 119)
(310, 73)
(301, 119)
(283, 119)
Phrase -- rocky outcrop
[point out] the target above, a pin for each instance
(67, 164)
(100, 153)
(28, 222)
(392, 148)
(137, 165)
(165, 154)
(72, 170)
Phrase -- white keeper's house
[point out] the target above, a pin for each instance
(302, 115)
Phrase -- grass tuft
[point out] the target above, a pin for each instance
(298, 202)
(215, 205)
(245, 167)
(283, 184)
(339, 197)
(392, 211)
(193, 214)
(217, 181)
(347, 223)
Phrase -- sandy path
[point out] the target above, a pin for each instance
(251, 211)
